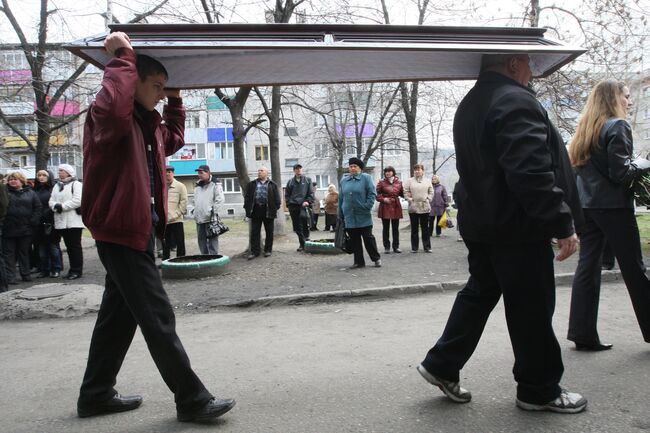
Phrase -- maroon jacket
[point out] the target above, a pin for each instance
(116, 201)
(393, 209)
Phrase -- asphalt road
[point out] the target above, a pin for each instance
(344, 367)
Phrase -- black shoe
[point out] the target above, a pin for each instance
(212, 409)
(386, 250)
(397, 251)
(593, 347)
(43, 275)
(356, 266)
(300, 249)
(377, 263)
(252, 256)
(27, 278)
(12, 282)
(118, 403)
(55, 274)
(427, 250)
(267, 253)
(72, 276)
(607, 266)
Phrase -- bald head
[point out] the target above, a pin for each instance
(515, 66)
(263, 173)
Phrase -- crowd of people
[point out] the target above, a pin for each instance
(517, 190)
(34, 216)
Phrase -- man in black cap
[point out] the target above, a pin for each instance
(299, 197)
(176, 209)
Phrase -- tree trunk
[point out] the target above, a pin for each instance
(42, 142)
(274, 153)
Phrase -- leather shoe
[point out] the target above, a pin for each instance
(356, 266)
(267, 254)
(72, 276)
(55, 274)
(593, 347)
(117, 403)
(212, 409)
(252, 256)
(43, 275)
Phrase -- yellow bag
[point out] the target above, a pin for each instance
(443, 221)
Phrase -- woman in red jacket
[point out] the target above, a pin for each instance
(389, 190)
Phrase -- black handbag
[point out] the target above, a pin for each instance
(216, 227)
(341, 238)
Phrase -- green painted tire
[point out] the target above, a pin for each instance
(199, 266)
(322, 246)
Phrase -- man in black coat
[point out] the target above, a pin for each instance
(516, 192)
(261, 202)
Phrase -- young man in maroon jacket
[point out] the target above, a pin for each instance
(123, 206)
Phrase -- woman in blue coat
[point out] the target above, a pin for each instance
(356, 199)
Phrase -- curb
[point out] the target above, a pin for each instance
(376, 293)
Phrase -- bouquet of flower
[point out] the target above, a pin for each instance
(641, 189)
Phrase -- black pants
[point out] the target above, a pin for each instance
(420, 220)
(174, 235)
(134, 296)
(433, 225)
(16, 249)
(523, 273)
(3, 267)
(619, 228)
(385, 233)
(330, 221)
(300, 221)
(365, 233)
(256, 232)
(72, 240)
(608, 256)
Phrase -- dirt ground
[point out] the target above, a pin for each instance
(289, 272)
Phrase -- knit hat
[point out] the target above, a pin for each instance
(68, 169)
(356, 161)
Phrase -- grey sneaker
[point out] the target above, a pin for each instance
(452, 390)
(567, 402)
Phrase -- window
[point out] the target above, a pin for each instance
(189, 151)
(223, 151)
(230, 184)
(290, 131)
(193, 120)
(200, 150)
(261, 153)
(290, 162)
(391, 149)
(647, 112)
(27, 128)
(322, 150)
(646, 134)
(322, 181)
(646, 92)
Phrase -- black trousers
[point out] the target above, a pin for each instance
(433, 225)
(420, 220)
(385, 233)
(365, 233)
(300, 221)
(16, 249)
(174, 235)
(523, 273)
(72, 240)
(256, 232)
(134, 296)
(619, 228)
(330, 221)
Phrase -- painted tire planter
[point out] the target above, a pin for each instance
(321, 246)
(200, 266)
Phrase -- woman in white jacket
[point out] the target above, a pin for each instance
(65, 201)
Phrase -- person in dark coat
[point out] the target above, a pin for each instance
(23, 216)
(124, 218)
(261, 203)
(299, 196)
(516, 192)
(389, 191)
(602, 153)
(4, 202)
(439, 205)
(46, 239)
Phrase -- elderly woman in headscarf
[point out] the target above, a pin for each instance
(331, 203)
(438, 205)
(65, 201)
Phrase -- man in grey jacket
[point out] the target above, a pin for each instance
(299, 196)
(207, 196)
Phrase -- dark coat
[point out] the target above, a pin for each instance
(116, 201)
(298, 192)
(273, 200)
(44, 191)
(4, 202)
(516, 183)
(604, 182)
(385, 190)
(23, 213)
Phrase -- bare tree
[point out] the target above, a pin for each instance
(47, 93)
